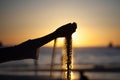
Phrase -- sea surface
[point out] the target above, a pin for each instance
(82, 57)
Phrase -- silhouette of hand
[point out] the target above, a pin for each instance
(66, 30)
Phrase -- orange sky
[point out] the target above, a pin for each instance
(98, 21)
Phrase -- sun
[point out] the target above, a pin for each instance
(74, 35)
(76, 39)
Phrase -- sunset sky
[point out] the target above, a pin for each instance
(98, 20)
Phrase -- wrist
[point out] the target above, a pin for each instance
(55, 35)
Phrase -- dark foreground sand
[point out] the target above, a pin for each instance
(19, 77)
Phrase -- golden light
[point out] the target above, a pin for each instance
(72, 75)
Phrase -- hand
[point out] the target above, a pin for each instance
(66, 30)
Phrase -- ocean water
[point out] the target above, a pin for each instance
(86, 57)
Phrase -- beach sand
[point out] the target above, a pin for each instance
(19, 77)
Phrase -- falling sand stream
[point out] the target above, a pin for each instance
(66, 58)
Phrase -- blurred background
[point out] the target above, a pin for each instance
(96, 42)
